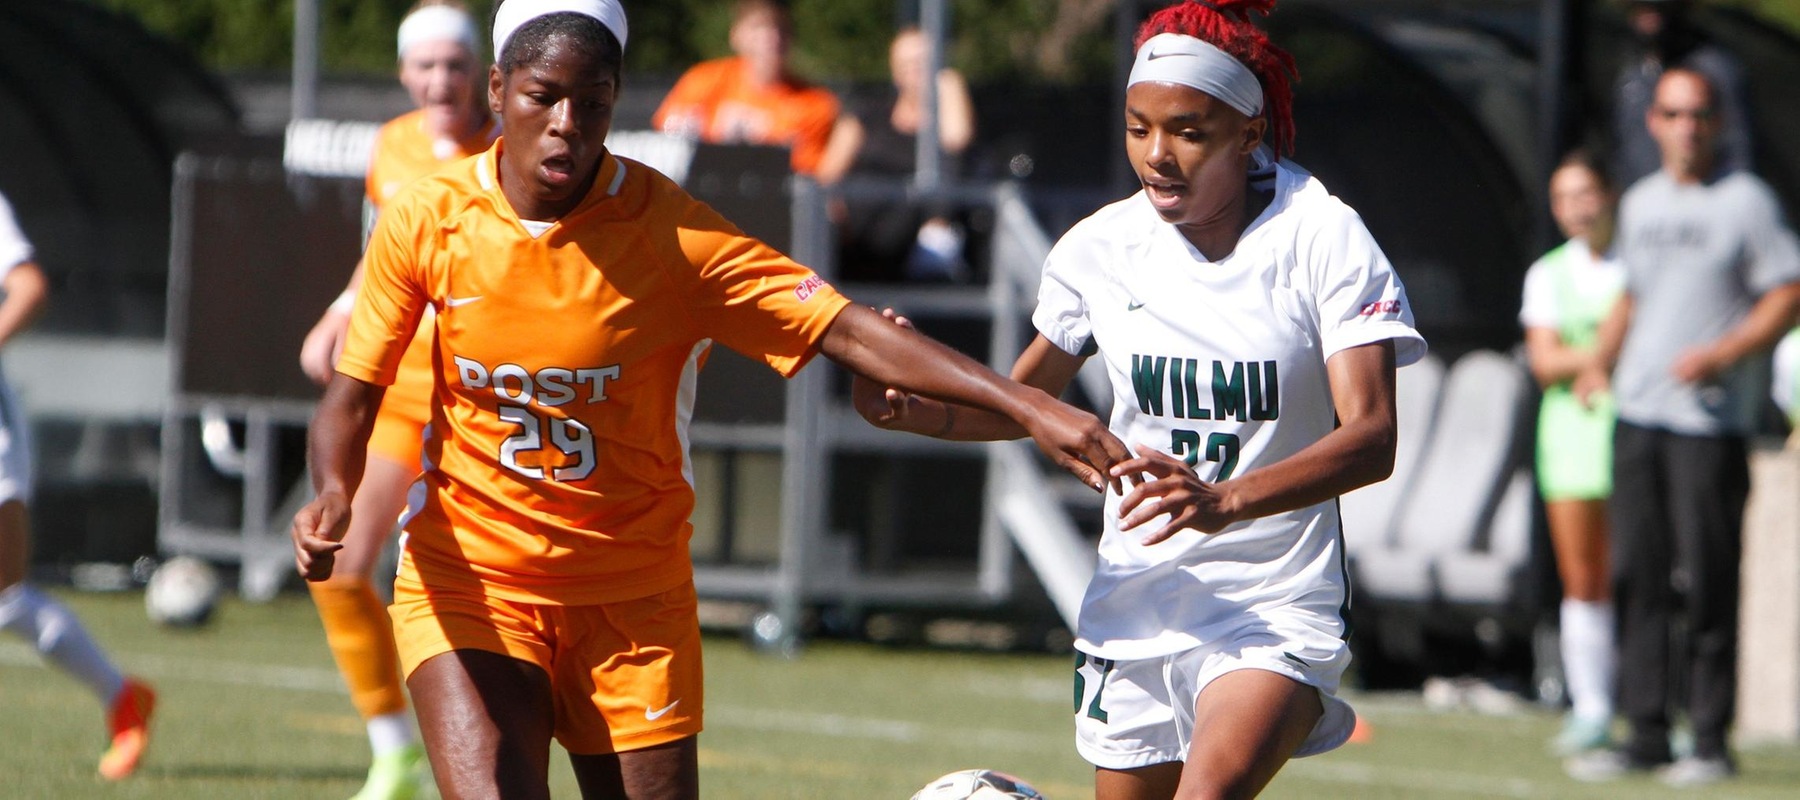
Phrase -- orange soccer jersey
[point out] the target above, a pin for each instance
(566, 363)
(404, 152)
(715, 102)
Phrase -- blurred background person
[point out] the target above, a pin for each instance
(1663, 38)
(47, 625)
(754, 97)
(887, 238)
(1712, 280)
(440, 67)
(1567, 293)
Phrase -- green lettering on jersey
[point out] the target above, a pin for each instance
(1194, 409)
(1265, 405)
(1147, 379)
(1176, 403)
(1228, 393)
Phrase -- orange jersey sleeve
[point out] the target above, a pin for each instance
(565, 363)
(392, 298)
(741, 285)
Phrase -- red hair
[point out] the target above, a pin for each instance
(1225, 24)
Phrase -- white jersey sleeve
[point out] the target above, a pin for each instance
(1360, 298)
(14, 248)
(1062, 313)
(1538, 309)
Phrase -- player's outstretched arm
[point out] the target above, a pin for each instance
(1042, 366)
(336, 447)
(885, 354)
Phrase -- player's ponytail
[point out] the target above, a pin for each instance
(1225, 24)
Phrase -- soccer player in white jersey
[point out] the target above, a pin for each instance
(25, 612)
(1251, 328)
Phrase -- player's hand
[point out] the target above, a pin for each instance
(1078, 442)
(1174, 489)
(319, 533)
(320, 349)
(886, 406)
(1697, 365)
(1589, 384)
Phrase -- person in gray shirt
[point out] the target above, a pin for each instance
(1712, 282)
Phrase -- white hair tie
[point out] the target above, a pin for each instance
(1185, 60)
(437, 24)
(514, 14)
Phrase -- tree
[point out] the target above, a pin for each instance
(838, 40)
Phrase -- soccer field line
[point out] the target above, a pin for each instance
(233, 673)
(326, 681)
(1431, 781)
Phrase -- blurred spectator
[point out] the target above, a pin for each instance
(885, 238)
(1567, 293)
(754, 98)
(1712, 280)
(1664, 38)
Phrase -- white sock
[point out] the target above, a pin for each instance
(58, 636)
(1588, 656)
(390, 732)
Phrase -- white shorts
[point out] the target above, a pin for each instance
(15, 448)
(1131, 714)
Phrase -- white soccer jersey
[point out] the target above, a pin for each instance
(1222, 364)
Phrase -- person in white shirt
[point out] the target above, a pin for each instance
(1251, 328)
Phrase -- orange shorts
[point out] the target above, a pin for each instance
(399, 433)
(625, 675)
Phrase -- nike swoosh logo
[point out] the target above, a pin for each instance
(1296, 659)
(1133, 306)
(654, 714)
(453, 302)
(1164, 54)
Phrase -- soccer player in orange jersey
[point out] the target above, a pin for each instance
(49, 627)
(545, 586)
(439, 66)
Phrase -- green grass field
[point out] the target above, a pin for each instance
(251, 708)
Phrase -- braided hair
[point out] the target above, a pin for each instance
(1225, 24)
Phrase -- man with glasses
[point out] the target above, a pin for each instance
(1664, 38)
(1712, 281)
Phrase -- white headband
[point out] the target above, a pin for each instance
(437, 24)
(515, 13)
(1185, 60)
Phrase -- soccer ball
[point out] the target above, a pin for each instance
(977, 784)
(182, 592)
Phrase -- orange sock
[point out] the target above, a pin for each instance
(362, 642)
